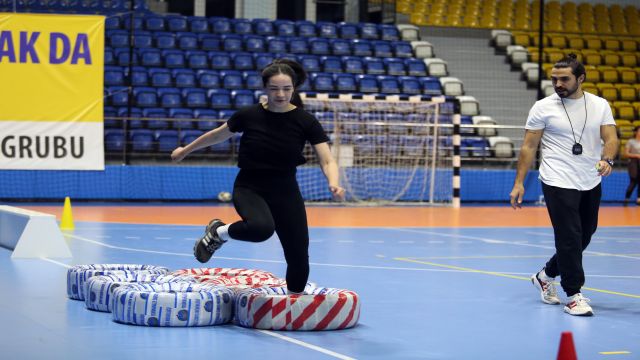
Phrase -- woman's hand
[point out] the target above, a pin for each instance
(178, 154)
(337, 192)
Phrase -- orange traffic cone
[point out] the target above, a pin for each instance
(567, 350)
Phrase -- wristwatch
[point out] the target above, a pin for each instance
(609, 161)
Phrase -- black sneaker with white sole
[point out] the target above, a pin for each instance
(210, 242)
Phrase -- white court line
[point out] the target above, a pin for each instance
(162, 238)
(502, 242)
(307, 345)
(56, 262)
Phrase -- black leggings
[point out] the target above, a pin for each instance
(574, 215)
(268, 201)
(634, 177)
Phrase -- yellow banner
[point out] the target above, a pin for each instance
(51, 67)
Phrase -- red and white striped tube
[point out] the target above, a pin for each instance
(318, 309)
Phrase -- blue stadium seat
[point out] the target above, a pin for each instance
(187, 136)
(113, 22)
(167, 140)
(156, 118)
(466, 120)
(114, 140)
(220, 25)
(340, 47)
(374, 66)
(361, 47)
(219, 60)
(242, 61)
(284, 27)
(382, 48)
(177, 23)
(322, 82)
(389, 32)
(110, 113)
(388, 84)
(395, 66)
(430, 85)
(150, 57)
(117, 95)
(242, 98)
(366, 145)
(241, 26)
(164, 40)
(373, 122)
(263, 27)
(223, 147)
(118, 38)
(231, 79)
(139, 76)
(109, 57)
(226, 114)
(169, 97)
(155, 23)
(345, 82)
(209, 42)
(133, 118)
(276, 44)
(353, 64)
(219, 98)
(305, 28)
(402, 48)
(350, 122)
(137, 22)
(145, 96)
(319, 46)
(195, 98)
(326, 120)
(367, 84)
(310, 63)
(252, 80)
(396, 123)
(261, 60)
(206, 119)
(123, 56)
(327, 29)
(348, 30)
(187, 41)
(141, 140)
(231, 42)
(160, 77)
(173, 58)
(254, 43)
(414, 145)
(198, 24)
(184, 118)
(368, 31)
(415, 67)
(113, 76)
(184, 78)
(298, 45)
(197, 59)
(409, 85)
(142, 39)
(331, 64)
(208, 79)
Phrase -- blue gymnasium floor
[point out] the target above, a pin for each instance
(427, 293)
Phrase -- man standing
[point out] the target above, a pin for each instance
(570, 125)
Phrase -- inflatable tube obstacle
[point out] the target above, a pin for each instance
(239, 283)
(172, 304)
(212, 272)
(317, 309)
(99, 290)
(78, 275)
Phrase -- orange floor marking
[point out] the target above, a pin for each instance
(345, 216)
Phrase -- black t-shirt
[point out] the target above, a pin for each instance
(272, 140)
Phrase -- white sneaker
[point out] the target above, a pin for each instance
(578, 306)
(548, 293)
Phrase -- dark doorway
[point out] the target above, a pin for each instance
(330, 10)
(291, 10)
(224, 8)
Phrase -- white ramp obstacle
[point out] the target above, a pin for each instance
(31, 234)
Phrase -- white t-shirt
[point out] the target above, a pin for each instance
(559, 167)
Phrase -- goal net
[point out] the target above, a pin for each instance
(389, 152)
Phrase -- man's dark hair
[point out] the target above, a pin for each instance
(571, 61)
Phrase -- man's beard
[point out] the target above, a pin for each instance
(568, 92)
